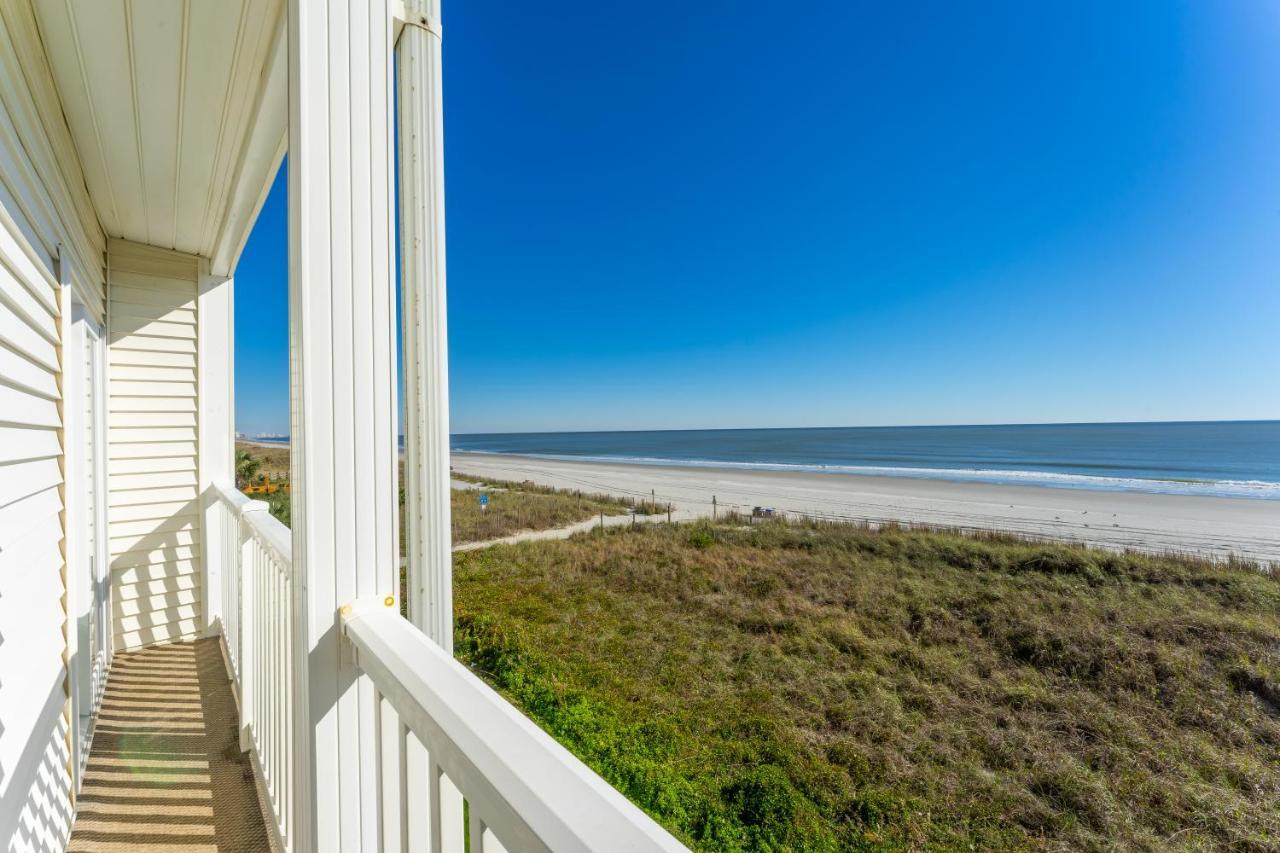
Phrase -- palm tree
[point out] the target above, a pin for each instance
(246, 466)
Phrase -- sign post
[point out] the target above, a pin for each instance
(484, 502)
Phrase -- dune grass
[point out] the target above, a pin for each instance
(819, 688)
(273, 461)
(514, 507)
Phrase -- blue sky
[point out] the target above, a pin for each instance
(835, 213)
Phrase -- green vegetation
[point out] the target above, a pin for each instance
(260, 460)
(279, 505)
(780, 686)
(247, 466)
(514, 507)
(258, 465)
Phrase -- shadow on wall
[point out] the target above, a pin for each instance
(155, 574)
(35, 803)
(35, 785)
(153, 507)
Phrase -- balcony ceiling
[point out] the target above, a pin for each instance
(178, 113)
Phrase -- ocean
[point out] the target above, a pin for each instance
(1238, 459)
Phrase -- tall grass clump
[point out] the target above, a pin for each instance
(799, 687)
(515, 507)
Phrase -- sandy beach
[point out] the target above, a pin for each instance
(1203, 526)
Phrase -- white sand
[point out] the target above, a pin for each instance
(1212, 527)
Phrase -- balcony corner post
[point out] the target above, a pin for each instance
(343, 449)
(215, 379)
(428, 558)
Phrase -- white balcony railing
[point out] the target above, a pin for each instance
(257, 556)
(442, 736)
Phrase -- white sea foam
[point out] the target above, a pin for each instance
(1256, 489)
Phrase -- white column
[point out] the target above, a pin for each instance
(343, 370)
(426, 351)
(215, 373)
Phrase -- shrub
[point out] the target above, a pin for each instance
(782, 686)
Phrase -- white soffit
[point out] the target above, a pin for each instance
(178, 110)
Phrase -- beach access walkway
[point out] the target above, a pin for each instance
(577, 527)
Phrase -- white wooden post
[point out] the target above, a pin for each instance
(215, 373)
(343, 367)
(248, 639)
(429, 558)
(426, 351)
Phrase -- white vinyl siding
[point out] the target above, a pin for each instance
(48, 235)
(34, 748)
(41, 181)
(153, 502)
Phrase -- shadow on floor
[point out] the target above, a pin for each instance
(165, 771)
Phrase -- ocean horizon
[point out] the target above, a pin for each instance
(1238, 459)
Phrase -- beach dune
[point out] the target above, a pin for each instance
(1211, 527)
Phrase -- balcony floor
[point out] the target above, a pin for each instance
(166, 771)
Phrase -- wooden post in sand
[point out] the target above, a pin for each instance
(713, 507)
(668, 513)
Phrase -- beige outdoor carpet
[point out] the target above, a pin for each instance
(166, 771)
